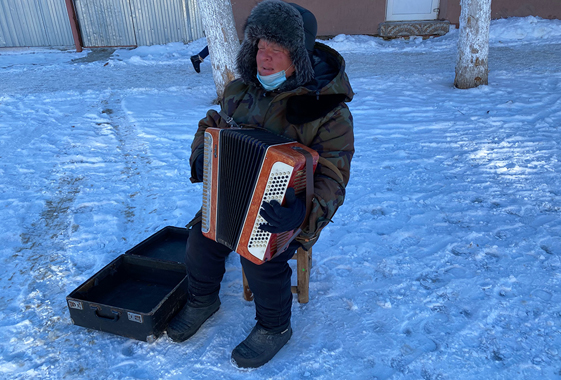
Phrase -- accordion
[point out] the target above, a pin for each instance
(242, 169)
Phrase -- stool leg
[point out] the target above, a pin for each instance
(294, 288)
(247, 293)
(303, 265)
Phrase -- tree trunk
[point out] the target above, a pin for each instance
(222, 40)
(473, 45)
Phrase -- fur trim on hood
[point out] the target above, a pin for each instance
(279, 22)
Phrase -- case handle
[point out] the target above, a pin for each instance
(114, 318)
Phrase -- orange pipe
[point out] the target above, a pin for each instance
(74, 25)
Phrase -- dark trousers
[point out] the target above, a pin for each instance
(269, 282)
(204, 53)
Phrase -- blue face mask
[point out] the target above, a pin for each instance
(273, 81)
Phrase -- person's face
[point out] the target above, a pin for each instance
(272, 58)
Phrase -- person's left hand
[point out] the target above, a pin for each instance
(281, 219)
(199, 166)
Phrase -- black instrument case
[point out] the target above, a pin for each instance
(138, 293)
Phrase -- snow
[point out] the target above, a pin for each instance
(443, 263)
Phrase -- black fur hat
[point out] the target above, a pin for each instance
(282, 23)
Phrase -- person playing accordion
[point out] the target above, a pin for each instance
(295, 87)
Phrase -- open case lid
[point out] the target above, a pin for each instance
(167, 244)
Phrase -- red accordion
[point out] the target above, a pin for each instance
(244, 167)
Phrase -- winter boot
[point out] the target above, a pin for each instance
(259, 347)
(196, 60)
(189, 319)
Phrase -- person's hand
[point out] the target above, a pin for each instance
(197, 170)
(280, 219)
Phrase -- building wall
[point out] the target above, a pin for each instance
(363, 16)
(549, 9)
(45, 22)
(334, 16)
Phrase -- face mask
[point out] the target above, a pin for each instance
(273, 81)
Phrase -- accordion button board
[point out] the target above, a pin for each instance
(277, 184)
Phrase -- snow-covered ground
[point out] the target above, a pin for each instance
(443, 263)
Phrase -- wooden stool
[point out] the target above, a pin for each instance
(303, 265)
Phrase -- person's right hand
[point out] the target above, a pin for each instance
(283, 218)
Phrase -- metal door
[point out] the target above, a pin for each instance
(159, 22)
(105, 23)
(407, 10)
(34, 23)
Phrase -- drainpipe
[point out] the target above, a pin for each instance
(74, 25)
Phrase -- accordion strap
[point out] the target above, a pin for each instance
(309, 194)
(229, 119)
(309, 182)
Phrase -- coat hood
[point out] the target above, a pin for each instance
(329, 87)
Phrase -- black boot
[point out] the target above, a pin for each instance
(196, 60)
(189, 319)
(259, 347)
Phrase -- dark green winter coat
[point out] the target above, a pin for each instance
(314, 115)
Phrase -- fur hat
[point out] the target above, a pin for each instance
(281, 23)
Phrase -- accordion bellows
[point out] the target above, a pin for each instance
(242, 169)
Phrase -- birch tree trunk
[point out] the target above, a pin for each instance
(222, 40)
(473, 45)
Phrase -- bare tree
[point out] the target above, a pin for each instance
(222, 39)
(473, 45)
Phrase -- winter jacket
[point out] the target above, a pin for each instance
(314, 115)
